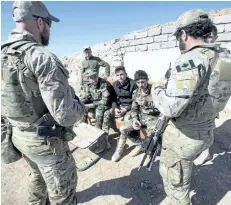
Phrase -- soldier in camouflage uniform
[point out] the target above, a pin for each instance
(92, 62)
(98, 96)
(199, 87)
(205, 155)
(143, 113)
(38, 101)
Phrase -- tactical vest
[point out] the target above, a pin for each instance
(213, 92)
(21, 102)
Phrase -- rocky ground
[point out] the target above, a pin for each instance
(108, 183)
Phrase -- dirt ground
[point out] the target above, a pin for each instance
(111, 183)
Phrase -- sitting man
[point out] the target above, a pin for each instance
(122, 101)
(97, 96)
(143, 113)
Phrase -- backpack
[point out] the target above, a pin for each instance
(214, 88)
(219, 80)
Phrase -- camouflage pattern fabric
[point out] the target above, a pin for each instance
(109, 117)
(9, 153)
(50, 174)
(146, 114)
(141, 111)
(99, 95)
(46, 80)
(192, 114)
(146, 121)
(179, 151)
(94, 63)
(43, 86)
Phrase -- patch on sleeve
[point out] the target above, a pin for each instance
(185, 79)
(185, 65)
(179, 84)
(192, 83)
(185, 75)
(208, 52)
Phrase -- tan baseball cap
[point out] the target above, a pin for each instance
(190, 17)
(28, 10)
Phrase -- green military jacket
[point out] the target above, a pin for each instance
(98, 94)
(143, 110)
(199, 88)
(94, 63)
(41, 86)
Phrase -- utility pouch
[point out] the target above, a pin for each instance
(56, 145)
(53, 135)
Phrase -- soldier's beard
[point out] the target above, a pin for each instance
(45, 37)
(182, 45)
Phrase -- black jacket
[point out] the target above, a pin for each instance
(124, 93)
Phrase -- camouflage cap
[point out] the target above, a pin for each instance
(190, 17)
(29, 10)
(90, 72)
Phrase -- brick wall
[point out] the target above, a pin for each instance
(159, 37)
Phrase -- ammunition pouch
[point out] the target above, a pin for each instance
(55, 135)
(45, 131)
(9, 152)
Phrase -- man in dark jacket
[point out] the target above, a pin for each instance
(143, 113)
(123, 88)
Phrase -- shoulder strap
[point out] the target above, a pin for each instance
(214, 47)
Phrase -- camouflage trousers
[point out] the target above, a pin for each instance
(51, 175)
(179, 150)
(148, 121)
(109, 116)
(99, 115)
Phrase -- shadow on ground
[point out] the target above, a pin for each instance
(210, 182)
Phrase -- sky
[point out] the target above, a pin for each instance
(86, 23)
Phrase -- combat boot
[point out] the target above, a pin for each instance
(108, 143)
(137, 150)
(119, 149)
(203, 157)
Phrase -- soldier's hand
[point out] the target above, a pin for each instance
(122, 112)
(136, 124)
(117, 112)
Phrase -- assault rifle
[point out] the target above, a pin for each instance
(152, 144)
(168, 72)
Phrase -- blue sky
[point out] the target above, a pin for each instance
(88, 23)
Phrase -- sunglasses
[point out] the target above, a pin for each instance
(46, 20)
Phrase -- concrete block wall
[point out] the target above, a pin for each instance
(159, 37)
(151, 49)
